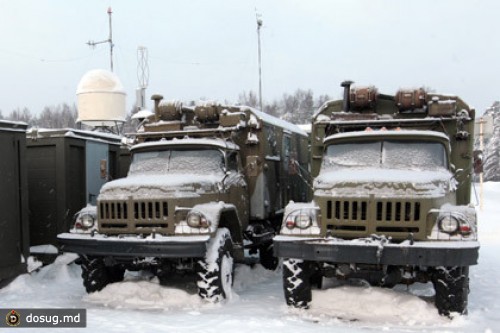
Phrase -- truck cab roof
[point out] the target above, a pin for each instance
(406, 134)
(218, 143)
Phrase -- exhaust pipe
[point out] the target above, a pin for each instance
(157, 98)
(347, 90)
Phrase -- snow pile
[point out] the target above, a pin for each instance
(53, 286)
(247, 276)
(144, 295)
(33, 264)
(373, 305)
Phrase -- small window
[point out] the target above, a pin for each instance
(232, 161)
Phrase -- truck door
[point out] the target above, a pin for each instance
(97, 169)
(237, 186)
(286, 152)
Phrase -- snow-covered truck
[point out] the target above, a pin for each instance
(391, 202)
(205, 184)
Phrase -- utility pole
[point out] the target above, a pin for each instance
(481, 147)
(259, 25)
(109, 40)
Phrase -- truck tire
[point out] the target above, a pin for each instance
(267, 258)
(297, 283)
(96, 275)
(452, 289)
(215, 271)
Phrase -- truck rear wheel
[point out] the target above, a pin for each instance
(452, 289)
(297, 282)
(215, 271)
(96, 275)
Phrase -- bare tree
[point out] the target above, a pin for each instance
(272, 109)
(23, 115)
(299, 107)
(249, 99)
(322, 99)
(60, 116)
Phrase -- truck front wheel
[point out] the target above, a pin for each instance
(297, 282)
(452, 289)
(96, 275)
(215, 271)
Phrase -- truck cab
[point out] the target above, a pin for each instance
(169, 188)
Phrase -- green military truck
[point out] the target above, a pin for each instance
(205, 184)
(391, 202)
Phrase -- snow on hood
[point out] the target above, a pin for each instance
(179, 185)
(353, 181)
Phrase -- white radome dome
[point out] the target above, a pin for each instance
(101, 98)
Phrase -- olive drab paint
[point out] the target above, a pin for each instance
(376, 218)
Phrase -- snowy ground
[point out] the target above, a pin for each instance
(140, 304)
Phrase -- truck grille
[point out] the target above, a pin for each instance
(365, 217)
(133, 216)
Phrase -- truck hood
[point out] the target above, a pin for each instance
(160, 186)
(385, 182)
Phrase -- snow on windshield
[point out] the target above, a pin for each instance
(181, 161)
(386, 155)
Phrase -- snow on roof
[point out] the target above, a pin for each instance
(401, 133)
(13, 126)
(277, 122)
(143, 114)
(305, 127)
(75, 133)
(100, 80)
(188, 141)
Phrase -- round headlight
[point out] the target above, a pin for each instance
(197, 220)
(303, 221)
(87, 221)
(448, 224)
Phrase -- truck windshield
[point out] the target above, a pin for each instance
(386, 154)
(178, 161)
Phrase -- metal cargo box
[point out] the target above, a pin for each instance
(14, 234)
(66, 169)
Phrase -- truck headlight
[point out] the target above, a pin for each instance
(197, 220)
(87, 221)
(301, 219)
(448, 224)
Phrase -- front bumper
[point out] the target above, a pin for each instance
(449, 253)
(160, 247)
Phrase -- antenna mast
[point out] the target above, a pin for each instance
(259, 25)
(142, 76)
(109, 40)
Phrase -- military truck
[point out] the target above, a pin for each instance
(205, 184)
(391, 202)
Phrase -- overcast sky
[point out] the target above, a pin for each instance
(208, 49)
